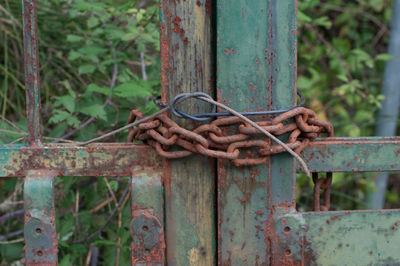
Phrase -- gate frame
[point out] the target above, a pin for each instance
(257, 220)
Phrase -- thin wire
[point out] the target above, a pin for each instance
(207, 116)
(137, 122)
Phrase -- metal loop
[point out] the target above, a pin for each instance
(207, 116)
(248, 144)
(184, 96)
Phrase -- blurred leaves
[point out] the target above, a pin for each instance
(342, 54)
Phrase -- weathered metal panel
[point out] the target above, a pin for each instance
(186, 64)
(339, 238)
(147, 227)
(256, 61)
(40, 222)
(31, 61)
(94, 160)
(353, 154)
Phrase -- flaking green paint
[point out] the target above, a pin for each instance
(256, 61)
(187, 66)
(38, 192)
(147, 190)
(39, 225)
(354, 154)
(340, 238)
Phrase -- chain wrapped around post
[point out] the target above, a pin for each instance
(325, 185)
(247, 146)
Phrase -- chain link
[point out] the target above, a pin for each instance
(247, 146)
(325, 185)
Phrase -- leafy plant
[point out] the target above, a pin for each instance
(99, 59)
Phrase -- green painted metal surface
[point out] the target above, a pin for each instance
(256, 62)
(339, 238)
(187, 66)
(147, 207)
(353, 154)
(40, 228)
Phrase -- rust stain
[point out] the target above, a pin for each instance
(208, 6)
(177, 27)
(336, 217)
(252, 87)
(164, 64)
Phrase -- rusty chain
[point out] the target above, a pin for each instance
(213, 139)
(325, 185)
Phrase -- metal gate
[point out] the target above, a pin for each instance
(202, 211)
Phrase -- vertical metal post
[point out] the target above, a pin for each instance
(187, 66)
(147, 227)
(32, 82)
(40, 225)
(256, 62)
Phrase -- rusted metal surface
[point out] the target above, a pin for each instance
(31, 62)
(325, 185)
(331, 155)
(211, 139)
(338, 238)
(147, 226)
(256, 61)
(187, 66)
(40, 223)
(67, 160)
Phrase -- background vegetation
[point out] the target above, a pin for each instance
(91, 52)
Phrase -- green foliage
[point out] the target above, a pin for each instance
(341, 59)
(90, 58)
(342, 53)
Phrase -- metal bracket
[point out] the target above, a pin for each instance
(40, 225)
(147, 227)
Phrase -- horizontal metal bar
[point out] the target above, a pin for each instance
(338, 238)
(367, 154)
(114, 159)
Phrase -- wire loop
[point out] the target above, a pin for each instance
(206, 116)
